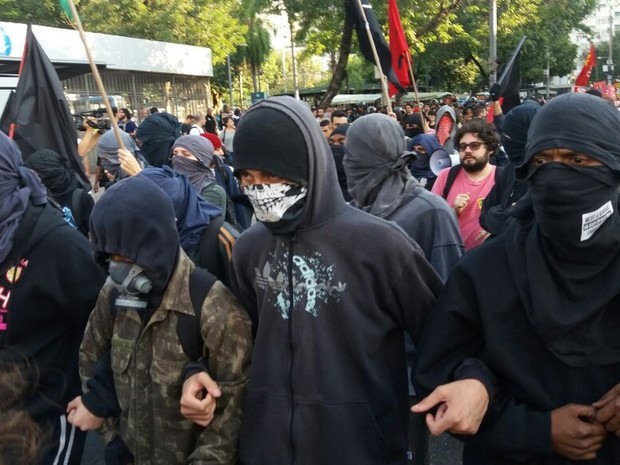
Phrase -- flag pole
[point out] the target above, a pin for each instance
(384, 89)
(96, 75)
(19, 74)
(425, 126)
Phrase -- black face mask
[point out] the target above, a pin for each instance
(575, 206)
(514, 150)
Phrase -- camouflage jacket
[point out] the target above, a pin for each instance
(147, 361)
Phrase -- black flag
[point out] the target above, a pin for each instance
(39, 117)
(356, 15)
(510, 80)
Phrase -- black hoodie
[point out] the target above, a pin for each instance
(50, 284)
(329, 303)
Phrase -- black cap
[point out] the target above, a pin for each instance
(269, 140)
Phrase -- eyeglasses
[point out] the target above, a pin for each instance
(472, 145)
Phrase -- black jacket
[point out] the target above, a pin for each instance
(53, 284)
(479, 324)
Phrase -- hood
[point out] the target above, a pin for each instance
(324, 198)
(579, 122)
(193, 213)
(376, 164)
(135, 219)
(19, 186)
(514, 130)
(157, 133)
(53, 169)
(445, 136)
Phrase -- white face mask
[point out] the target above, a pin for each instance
(272, 201)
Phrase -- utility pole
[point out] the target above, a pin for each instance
(230, 90)
(492, 42)
(294, 61)
(610, 60)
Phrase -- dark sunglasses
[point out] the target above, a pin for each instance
(472, 145)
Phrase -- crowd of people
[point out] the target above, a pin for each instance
(322, 292)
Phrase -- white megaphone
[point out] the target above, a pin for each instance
(440, 160)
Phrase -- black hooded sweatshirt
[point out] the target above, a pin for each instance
(329, 303)
(540, 313)
(51, 283)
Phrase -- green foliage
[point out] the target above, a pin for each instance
(602, 51)
(204, 23)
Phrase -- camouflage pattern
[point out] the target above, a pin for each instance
(147, 364)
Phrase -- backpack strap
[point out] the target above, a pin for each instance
(207, 256)
(76, 205)
(188, 326)
(454, 172)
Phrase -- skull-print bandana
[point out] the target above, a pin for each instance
(272, 201)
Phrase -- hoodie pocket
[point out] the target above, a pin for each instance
(342, 433)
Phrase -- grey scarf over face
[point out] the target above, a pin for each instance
(375, 163)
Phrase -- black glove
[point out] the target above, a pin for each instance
(495, 91)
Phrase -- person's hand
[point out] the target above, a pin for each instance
(129, 164)
(462, 406)
(195, 405)
(608, 410)
(482, 235)
(96, 186)
(79, 416)
(460, 202)
(495, 91)
(575, 432)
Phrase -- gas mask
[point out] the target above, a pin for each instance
(130, 277)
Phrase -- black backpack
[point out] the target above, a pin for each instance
(215, 251)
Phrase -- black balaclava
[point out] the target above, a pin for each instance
(157, 133)
(566, 261)
(135, 219)
(413, 125)
(338, 154)
(269, 141)
(514, 130)
(53, 169)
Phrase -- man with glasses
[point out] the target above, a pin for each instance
(465, 186)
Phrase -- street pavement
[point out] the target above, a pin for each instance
(443, 450)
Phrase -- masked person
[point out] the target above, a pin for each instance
(48, 287)
(331, 291)
(424, 146)
(507, 190)
(151, 310)
(380, 183)
(336, 143)
(533, 314)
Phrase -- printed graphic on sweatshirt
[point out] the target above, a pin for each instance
(313, 283)
(12, 275)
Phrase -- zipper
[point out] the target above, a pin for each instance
(291, 250)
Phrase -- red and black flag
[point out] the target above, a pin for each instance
(584, 76)
(399, 49)
(39, 117)
(359, 17)
(510, 80)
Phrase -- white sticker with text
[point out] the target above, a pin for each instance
(590, 222)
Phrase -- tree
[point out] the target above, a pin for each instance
(258, 48)
(203, 23)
